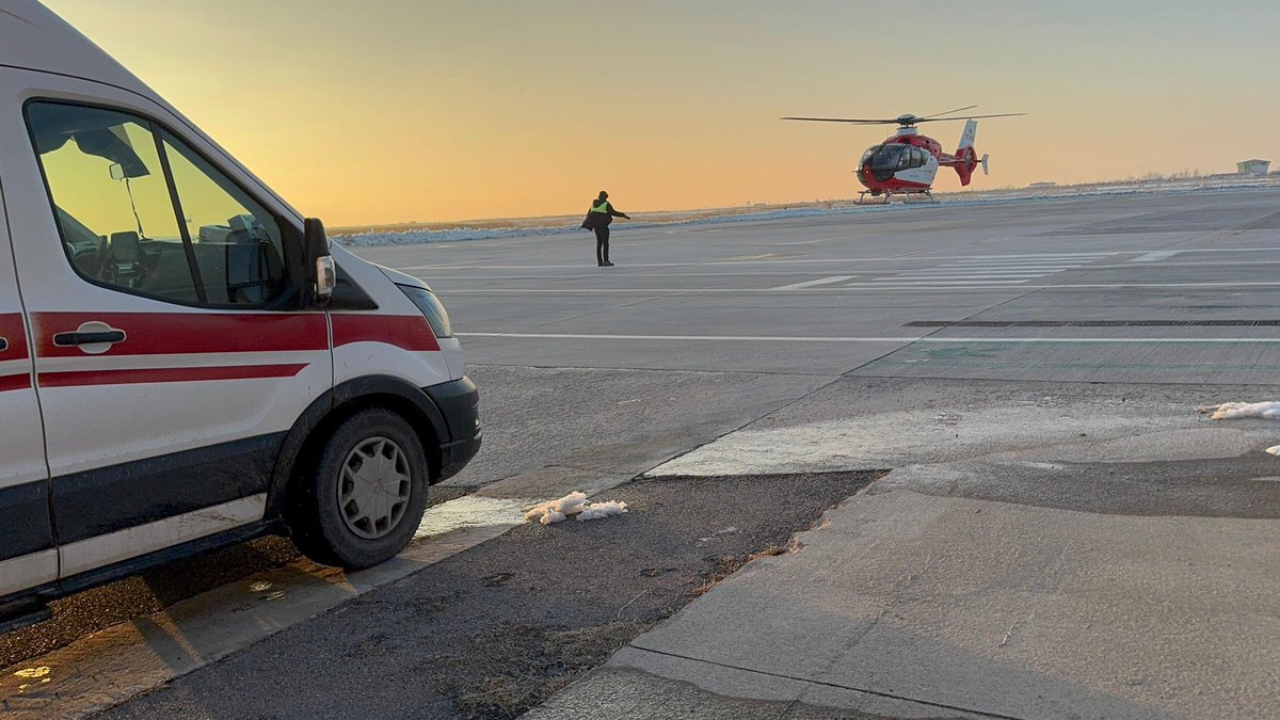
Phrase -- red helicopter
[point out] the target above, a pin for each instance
(906, 163)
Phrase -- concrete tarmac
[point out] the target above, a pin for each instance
(837, 294)
(1030, 371)
(1065, 532)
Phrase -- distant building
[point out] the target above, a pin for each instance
(1043, 185)
(1253, 167)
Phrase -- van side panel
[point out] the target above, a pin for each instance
(171, 430)
(27, 554)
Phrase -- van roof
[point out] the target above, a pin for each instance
(33, 37)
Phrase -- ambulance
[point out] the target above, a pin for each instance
(185, 360)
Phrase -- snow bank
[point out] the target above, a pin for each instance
(575, 503)
(425, 236)
(1233, 410)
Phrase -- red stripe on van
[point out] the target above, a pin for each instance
(166, 375)
(184, 333)
(10, 383)
(12, 330)
(407, 332)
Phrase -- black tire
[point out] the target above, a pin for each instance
(333, 534)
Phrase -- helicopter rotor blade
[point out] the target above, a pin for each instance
(970, 107)
(970, 117)
(850, 121)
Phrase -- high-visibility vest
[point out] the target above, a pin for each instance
(602, 208)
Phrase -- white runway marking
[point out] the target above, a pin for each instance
(1038, 257)
(907, 339)
(945, 272)
(943, 282)
(1156, 256)
(994, 270)
(1021, 263)
(820, 281)
(821, 240)
(858, 287)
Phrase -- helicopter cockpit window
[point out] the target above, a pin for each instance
(887, 159)
(905, 157)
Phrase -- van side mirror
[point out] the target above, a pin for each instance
(322, 273)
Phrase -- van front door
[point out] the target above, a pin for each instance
(167, 374)
(27, 555)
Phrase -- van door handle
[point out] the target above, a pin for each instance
(72, 339)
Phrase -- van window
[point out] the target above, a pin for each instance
(111, 200)
(140, 211)
(237, 243)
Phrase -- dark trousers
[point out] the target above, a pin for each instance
(602, 245)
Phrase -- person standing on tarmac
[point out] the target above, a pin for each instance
(598, 219)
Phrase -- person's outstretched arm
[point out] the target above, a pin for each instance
(615, 213)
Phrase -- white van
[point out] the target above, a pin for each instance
(185, 362)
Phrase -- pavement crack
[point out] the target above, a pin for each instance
(1014, 627)
(838, 686)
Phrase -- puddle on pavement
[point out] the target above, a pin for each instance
(472, 511)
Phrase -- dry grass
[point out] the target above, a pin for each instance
(731, 564)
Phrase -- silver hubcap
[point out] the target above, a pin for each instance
(374, 488)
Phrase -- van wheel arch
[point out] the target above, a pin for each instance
(299, 452)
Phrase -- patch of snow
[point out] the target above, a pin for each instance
(557, 510)
(595, 511)
(1233, 410)
(551, 516)
(575, 503)
(1046, 430)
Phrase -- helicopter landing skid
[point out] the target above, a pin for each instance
(906, 197)
(888, 197)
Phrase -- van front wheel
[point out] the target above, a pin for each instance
(367, 494)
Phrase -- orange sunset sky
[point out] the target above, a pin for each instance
(388, 111)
